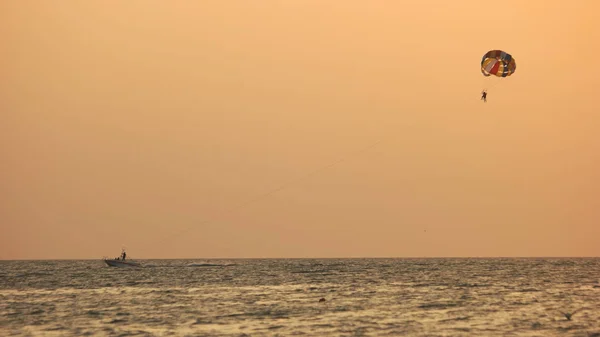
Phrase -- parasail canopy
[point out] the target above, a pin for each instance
(498, 63)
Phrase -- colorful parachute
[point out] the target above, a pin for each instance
(498, 63)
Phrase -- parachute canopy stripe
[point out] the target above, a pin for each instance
(498, 63)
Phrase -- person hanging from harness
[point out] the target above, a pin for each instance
(484, 96)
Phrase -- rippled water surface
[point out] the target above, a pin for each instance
(363, 297)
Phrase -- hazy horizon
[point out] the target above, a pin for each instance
(314, 258)
(126, 123)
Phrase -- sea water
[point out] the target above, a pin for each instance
(303, 297)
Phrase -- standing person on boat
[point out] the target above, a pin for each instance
(123, 255)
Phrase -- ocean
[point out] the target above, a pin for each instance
(303, 297)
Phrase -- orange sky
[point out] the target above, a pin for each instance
(124, 123)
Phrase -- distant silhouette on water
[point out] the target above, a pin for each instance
(568, 315)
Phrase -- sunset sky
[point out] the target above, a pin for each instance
(163, 126)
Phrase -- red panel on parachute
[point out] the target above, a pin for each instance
(494, 69)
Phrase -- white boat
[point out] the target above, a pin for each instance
(121, 263)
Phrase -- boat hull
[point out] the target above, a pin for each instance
(121, 263)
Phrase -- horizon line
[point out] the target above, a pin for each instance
(318, 258)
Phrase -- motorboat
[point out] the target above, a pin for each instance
(121, 261)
